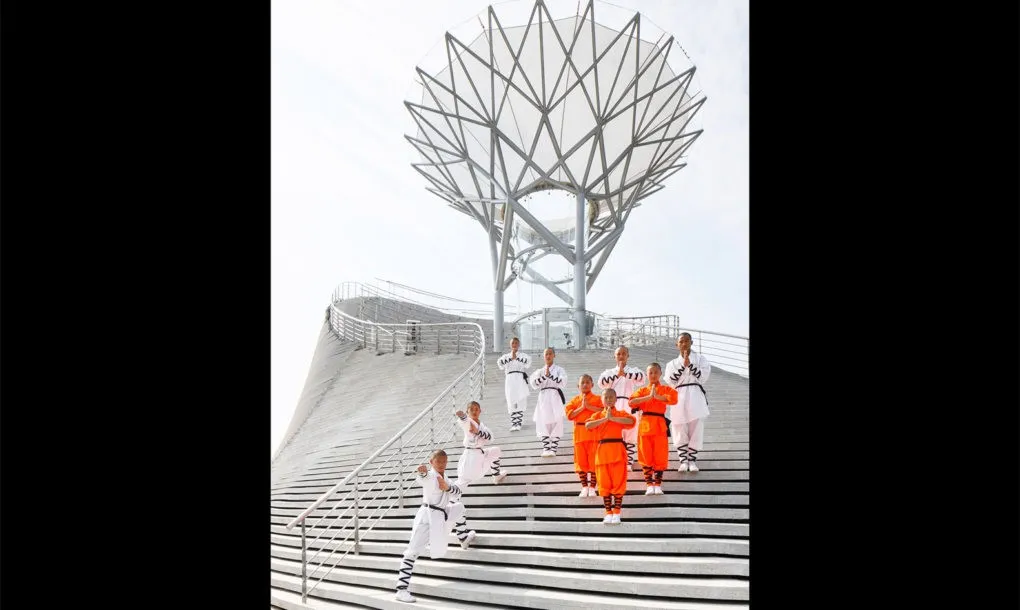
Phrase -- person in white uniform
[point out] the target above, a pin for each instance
(477, 458)
(440, 513)
(549, 414)
(515, 364)
(625, 379)
(688, 373)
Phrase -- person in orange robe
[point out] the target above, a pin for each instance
(579, 410)
(611, 454)
(653, 444)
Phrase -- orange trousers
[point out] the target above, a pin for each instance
(653, 451)
(584, 456)
(612, 478)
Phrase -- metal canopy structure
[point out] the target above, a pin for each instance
(556, 103)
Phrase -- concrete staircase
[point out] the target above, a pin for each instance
(538, 545)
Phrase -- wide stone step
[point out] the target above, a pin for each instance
(285, 592)
(511, 487)
(513, 455)
(624, 538)
(725, 529)
(594, 509)
(592, 578)
(512, 593)
(536, 481)
(287, 547)
(295, 507)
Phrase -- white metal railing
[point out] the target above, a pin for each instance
(658, 333)
(378, 484)
(729, 352)
(429, 300)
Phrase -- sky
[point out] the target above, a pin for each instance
(346, 204)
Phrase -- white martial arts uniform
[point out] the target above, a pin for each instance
(549, 413)
(515, 386)
(440, 513)
(691, 407)
(477, 459)
(632, 379)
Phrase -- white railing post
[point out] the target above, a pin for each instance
(400, 478)
(304, 564)
(357, 540)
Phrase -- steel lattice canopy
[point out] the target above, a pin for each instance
(554, 103)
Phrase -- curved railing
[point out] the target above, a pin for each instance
(422, 298)
(728, 352)
(339, 520)
(658, 333)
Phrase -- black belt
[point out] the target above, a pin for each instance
(522, 373)
(700, 387)
(563, 398)
(611, 440)
(623, 397)
(647, 413)
(442, 510)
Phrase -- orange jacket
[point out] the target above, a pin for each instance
(580, 432)
(654, 405)
(607, 453)
(654, 425)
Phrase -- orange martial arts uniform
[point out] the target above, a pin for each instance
(584, 439)
(653, 444)
(611, 455)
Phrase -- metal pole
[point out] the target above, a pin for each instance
(400, 479)
(579, 273)
(304, 574)
(545, 328)
(356, 538)
(497, 321)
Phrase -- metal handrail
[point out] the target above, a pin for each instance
(350, 290)
(637, 333)
(439, 431)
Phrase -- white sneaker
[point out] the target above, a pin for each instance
(650, 491)
(466, 542)
(608, 519)
(584, 493)
(499, 478)
(592, 492)
(658, 490)
(616, 519)
(683, 467)
(694, 467)
(404, 596)
(547, 453)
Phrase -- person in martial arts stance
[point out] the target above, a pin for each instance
(477, 458)
(624, 380)
(549, 381)
(440, 512)
(516, 387)
(579, 410)
(610, 454)
(688, 373)
(652, 401)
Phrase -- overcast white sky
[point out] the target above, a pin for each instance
(346, 205)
